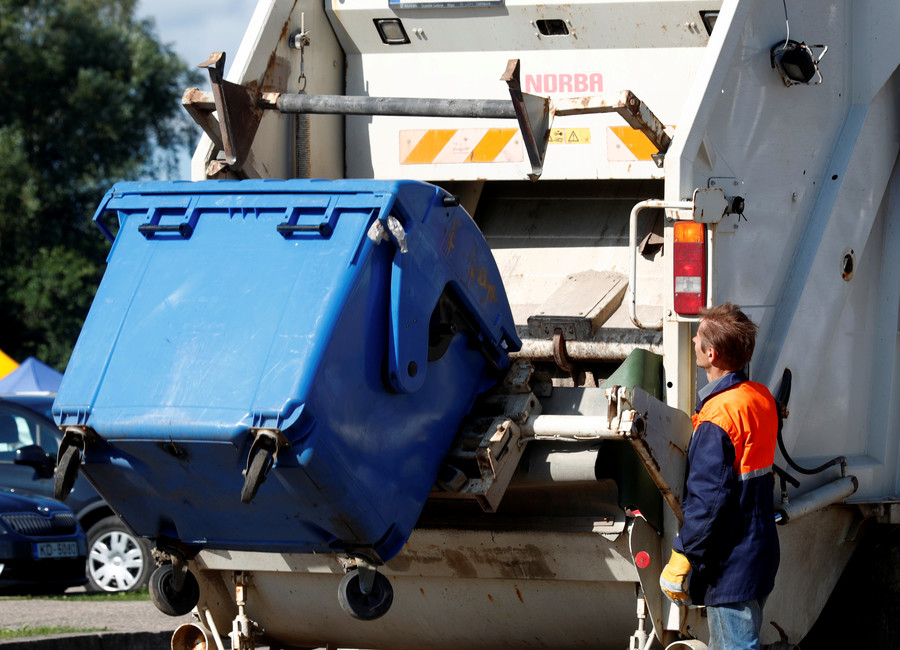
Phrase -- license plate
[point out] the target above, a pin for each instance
(50, 550)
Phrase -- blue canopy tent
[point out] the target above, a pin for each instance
(32, 376)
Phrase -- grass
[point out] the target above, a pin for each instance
(122, 596)
(44, 630)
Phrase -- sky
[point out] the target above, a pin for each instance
(196, 28)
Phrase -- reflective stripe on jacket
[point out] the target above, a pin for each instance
(729, 532)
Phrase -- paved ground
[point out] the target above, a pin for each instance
(137, 616)
(135, 625)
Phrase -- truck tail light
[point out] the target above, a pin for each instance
(689, 261)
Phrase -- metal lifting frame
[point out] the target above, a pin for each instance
(240, 111)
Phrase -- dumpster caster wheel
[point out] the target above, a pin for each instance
(262, 455)
(167, 599)
(66, 472)
(365, 606)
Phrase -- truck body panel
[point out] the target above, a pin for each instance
(564, 494)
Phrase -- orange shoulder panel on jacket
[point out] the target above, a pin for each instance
(747, 413)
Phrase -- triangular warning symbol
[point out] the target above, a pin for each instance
(573, 137)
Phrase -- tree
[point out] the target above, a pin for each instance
(90, 97)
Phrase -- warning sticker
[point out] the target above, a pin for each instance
(570, 136)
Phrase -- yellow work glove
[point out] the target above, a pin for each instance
(673, 580)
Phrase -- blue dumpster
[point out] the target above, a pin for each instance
(282, 365)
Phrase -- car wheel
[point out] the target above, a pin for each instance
(118, 560)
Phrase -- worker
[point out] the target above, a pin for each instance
(726, 555)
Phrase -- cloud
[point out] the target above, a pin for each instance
(195, 28)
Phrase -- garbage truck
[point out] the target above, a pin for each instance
(408, 363)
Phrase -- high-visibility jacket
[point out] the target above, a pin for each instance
(729, 532)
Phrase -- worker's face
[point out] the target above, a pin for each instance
(703, 356)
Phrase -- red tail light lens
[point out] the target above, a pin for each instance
(689, 261)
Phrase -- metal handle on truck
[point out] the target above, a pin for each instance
(632, 242)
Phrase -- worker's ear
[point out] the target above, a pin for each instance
(711, 355)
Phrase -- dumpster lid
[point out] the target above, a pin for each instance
(217, 294)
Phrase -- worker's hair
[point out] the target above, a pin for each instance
(730, 333)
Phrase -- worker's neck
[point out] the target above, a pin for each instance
(713, 373)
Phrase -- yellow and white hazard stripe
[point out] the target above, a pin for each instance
(625, 144)
(442, 146)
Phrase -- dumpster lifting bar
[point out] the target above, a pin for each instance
(402, 106)
(532, 112)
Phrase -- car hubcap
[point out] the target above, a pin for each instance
(116, 561)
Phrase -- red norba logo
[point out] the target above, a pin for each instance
(564, 83)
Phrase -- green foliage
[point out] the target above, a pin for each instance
(96, 597)
(44, 630)
(90, 97)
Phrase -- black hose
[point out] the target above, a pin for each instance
(781, 400)
(784, 476)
